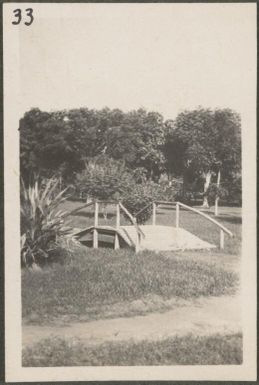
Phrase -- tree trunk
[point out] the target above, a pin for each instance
(217, 198)
(206, 186)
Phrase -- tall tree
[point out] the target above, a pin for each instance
(48, 145)
(138, 140)
(202, 143)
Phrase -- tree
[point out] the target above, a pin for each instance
(203, 143)
(138, 139)
(48, 145)
(60, 142)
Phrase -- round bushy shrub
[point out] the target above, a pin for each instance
(138, 198)
(104, 179)
(214, 191)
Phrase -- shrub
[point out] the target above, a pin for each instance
(108, 179)
(214, 191)
(41, 221)
(138, 198)
(103, 178)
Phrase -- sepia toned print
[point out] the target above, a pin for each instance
(130, 191)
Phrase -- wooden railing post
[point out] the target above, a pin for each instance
(117, 215)
(137, 239)
(116, 242)
(135, 223)
(95, 231)
(116, 236)
(221, 244)
(96, 213)
(177, 219)
(154, 214)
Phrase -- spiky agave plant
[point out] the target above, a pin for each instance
(42, 223)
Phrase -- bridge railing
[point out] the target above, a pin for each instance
(177, 205)
(133, 220)
(154, 207)
(222, 229)
(119, 207)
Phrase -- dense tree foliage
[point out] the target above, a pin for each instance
(60, 142)
(139, 140)
(201, 146)
(203, 143)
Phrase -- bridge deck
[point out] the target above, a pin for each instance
(167, 238)
(156, 238)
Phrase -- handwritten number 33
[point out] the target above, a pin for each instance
(18, 13)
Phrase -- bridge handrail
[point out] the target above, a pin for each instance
(78, 209)
(144, 208)
(168, 203)
(223, 228)
(132, 219)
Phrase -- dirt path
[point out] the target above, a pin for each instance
(201, 317)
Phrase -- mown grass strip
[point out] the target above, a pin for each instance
(188, 350)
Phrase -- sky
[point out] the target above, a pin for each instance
(163, 57)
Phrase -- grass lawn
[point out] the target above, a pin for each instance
(95, 279)
(91, 281)
(96, 284)
(188, 350)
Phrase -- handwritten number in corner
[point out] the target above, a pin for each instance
(29, 12)
(18, 14)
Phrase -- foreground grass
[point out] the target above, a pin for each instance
(96, 278)
(188, 350)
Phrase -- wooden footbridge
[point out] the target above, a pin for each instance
(141, 237)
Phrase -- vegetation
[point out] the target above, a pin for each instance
(196, 146)
(59, 142)
(139, 197)
(42, 224)
(104, 178)
(107, 179)
(134, 157)
(203, 143)
(101, 278)
(187, 350)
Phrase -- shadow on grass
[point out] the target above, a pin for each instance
(91, 215)
(231, 219)
(167, 208)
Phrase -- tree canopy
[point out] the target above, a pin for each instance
(61, 141)
(202, 142)
(197, 145)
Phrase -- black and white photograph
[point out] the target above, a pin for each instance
(130, 191)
